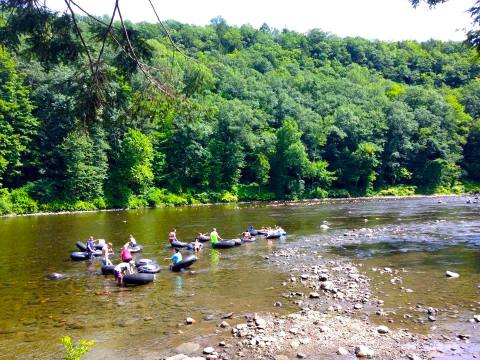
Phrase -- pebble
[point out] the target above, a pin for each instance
(224, 324)
(208, 350)
(277, 304)
(293, 331)
(414, 357)
(327, 285)
(301, 355)
(358, 306)
(55, 276)
(261, 324)
(476, 318)
(452, 274)
(363, 351)
(190, 321)
(383, 329)
(432, 318)
(342, 351)
(314, 295)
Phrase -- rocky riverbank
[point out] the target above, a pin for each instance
(337, 317)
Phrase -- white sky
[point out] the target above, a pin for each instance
(371, 19)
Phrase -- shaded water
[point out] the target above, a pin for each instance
(420, 235)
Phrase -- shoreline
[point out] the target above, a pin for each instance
(338, 315)
(272, 202)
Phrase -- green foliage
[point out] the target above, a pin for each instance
(400, 190)
(75, 351)
(261, 114)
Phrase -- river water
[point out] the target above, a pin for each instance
(420, 237)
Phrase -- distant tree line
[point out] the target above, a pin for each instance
(93, 116)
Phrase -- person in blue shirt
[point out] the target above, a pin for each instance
(177, 256)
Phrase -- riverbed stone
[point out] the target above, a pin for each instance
(314, 295)
(187, 348)
(178, 357)
(224, 324)
(476, 318)
(208, 350)
(342, 351)
(327, 285)
(363, 351)
(382, 329)
(452, 274)
(190, 321)
(261, 324)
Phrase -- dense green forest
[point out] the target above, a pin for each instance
(140, 117)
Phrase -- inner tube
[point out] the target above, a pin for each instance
(251, 239)
(135, 249)
(79, 256)
(185, 263)
(237, 242)
(142, 262)
(253, 232)
(203, 238)
(152, 268)
(224, 244)
(180, 244)
(108, 269)
(138, 279)
(262, 232)
(81, 246)
(275, 234)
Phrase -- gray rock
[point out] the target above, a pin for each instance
(476, 318)
(432, 318)
(189, 321)
(314, 295)
(383, 329)
(363, 351)
(301, 355)
(224, 324)
(55, 276)
(261, 324)
(208, 350)
(358, 306)
(414, 357)
(187, 348)
(327, 285)
(342, 351)
(452, 274)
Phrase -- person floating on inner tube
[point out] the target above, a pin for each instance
(214, 237)
(172, 236)
(246, 235)
(90, 246)
(126, 254)
(107, 250)
(131, 241)
(177, 257)
(123, 269)
(197, 245)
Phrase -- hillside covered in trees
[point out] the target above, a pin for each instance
(231, 113)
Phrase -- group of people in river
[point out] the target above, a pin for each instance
(127, 264)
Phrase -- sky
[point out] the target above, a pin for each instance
(389, 20)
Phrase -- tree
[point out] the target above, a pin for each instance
(17, 124)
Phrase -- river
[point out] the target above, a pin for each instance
(423, 237)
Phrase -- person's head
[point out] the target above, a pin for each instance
(110, 245)
(90, 238)
(130, 236)
(214, 229)
(131, 262)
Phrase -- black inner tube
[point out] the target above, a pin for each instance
(138, 279)
(224, 244)
(185, 263)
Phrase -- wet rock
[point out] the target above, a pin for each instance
(322, 277)
(190, 321)
(277, 304)
(227, 315)
(432, 318)
(293, 331)
(314, 295)
(363, 351)
(304, 276)
(147, 318)
(224, 324)
(301, 355)
(342, 351)
(55, 276)
(261, 324)
(222, 344)
(187, 348)
(383, 329)
(452, 274)
(208, 350)
(358, 306)
(414, 357)
(476, 318)
(209, 317)
(327, 285)
(463, 336)
(323, 328)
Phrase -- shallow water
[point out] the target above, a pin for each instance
(422, 236)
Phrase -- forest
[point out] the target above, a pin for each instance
(97, 114)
